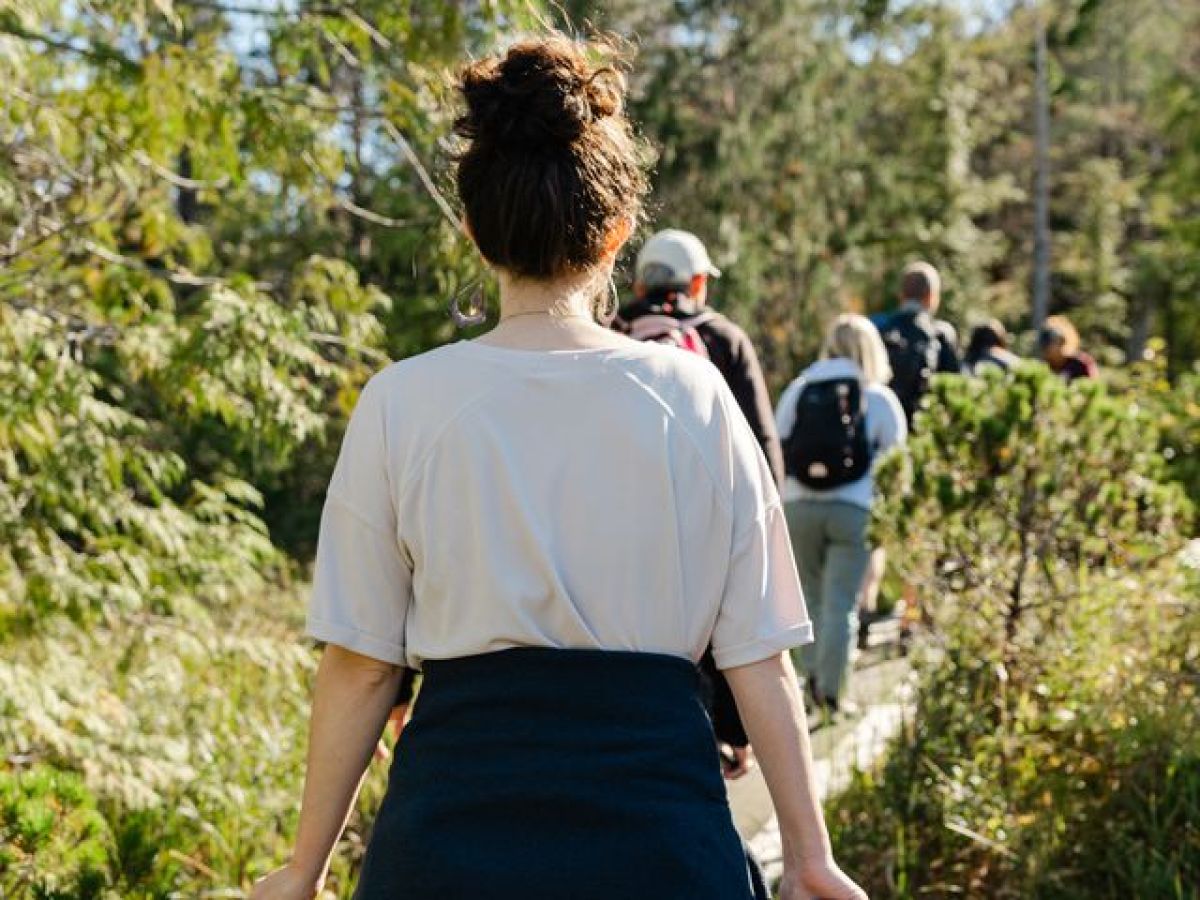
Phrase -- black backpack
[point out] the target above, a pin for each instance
(828, 445)
(912, 346)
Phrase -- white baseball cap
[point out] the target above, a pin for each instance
(679, 252)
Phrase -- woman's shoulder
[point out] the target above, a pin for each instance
(418, 368)
(418, 391)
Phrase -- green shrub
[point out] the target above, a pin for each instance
(1015, 491)
(1174, 407)
(1088, 787)
(189, 735)
(1052, 752)
(54, 843)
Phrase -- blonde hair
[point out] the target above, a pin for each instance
(853, 337)
(1061, 326)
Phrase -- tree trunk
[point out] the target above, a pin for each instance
(1041, 235)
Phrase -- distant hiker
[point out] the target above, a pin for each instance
(671, 306)
(836, 419)
(1058, 342)
(552, 522)
(918, 344)
(988, 349)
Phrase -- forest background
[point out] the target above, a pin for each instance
(219, 217)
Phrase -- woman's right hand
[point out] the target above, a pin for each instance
(289, 883)
(819, 880)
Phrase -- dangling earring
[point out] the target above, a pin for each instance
(476, 311)
(612, 302)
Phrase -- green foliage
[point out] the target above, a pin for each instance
(54, 844)
(188, 735)
(1052, 749)
(95, 515)
(1015, 491)
(815, 167)
(817, 147)
(1089, 788)
(1175, 411)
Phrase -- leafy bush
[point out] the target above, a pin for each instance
(54, 844)
(1014, 492)
(1174, 407)
(1084, 783)
(1052, 750)
(187, 736)
(96, 511)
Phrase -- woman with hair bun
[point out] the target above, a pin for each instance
(553, 522)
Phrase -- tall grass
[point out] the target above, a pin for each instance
(1091, 790)
(157, 757)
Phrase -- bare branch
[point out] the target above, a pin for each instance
(101, 53)
(175, 277)
(370, 216)
(369, 352)
(175, 179)
(394, 133)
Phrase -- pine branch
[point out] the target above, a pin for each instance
(98, 52)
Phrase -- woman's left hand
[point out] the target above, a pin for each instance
(288, 883)
(736, 761)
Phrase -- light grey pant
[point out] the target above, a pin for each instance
(829, 540)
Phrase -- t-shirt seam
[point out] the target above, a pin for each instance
(777, 641)
(775, 506)
(769, 638)
(428, 452)
(727, 502)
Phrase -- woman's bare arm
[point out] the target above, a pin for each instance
(353, 697)
(772, 709)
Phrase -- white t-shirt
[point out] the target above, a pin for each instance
(886, 427)
(614, 498)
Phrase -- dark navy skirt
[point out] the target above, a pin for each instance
(556, 774)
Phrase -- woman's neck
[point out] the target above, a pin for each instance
(550, 315)
(562, 297)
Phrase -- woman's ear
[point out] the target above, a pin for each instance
(617, 236)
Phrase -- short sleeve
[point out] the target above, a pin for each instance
(362, 582)
(762, 610)
(892, 427)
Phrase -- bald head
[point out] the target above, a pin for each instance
(921, 284)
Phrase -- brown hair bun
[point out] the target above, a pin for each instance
(538, 92)
(551, 165)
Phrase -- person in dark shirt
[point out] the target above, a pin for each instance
(988, 348)
(918, 343)
(670, 305)
(1058, 342)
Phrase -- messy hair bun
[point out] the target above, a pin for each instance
(537, 93)
(552, 165)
